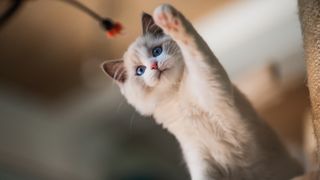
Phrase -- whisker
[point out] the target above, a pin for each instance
(132, 119)
(119, 106)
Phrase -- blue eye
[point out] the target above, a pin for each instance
(140, 70)
(156, 51)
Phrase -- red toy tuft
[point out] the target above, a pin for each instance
(115, 30)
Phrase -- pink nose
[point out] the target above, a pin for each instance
(154, 66)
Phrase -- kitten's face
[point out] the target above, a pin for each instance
(152, 68)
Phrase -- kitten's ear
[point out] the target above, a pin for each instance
(115, 69)
(148, 25)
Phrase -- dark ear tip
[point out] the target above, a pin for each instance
(146, 15)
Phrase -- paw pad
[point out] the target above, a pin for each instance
(167, 17)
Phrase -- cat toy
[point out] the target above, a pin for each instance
(111, 28)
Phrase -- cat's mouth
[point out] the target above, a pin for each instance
(161, 71)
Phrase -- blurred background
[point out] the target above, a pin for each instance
(61, 118)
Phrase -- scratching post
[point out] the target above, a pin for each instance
(309, 11)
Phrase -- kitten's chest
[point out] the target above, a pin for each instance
(184, 118)
(207, 133)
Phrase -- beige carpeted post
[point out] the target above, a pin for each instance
(309, 11)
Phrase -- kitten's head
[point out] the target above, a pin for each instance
(151, 68)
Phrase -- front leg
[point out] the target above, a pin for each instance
(205, 77)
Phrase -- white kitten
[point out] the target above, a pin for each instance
(170, 73)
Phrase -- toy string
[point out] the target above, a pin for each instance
(112, 28)
(10, 12)
(84, 8)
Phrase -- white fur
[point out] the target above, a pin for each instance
(221, 135)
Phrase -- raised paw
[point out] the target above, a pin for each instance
(170, 20)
